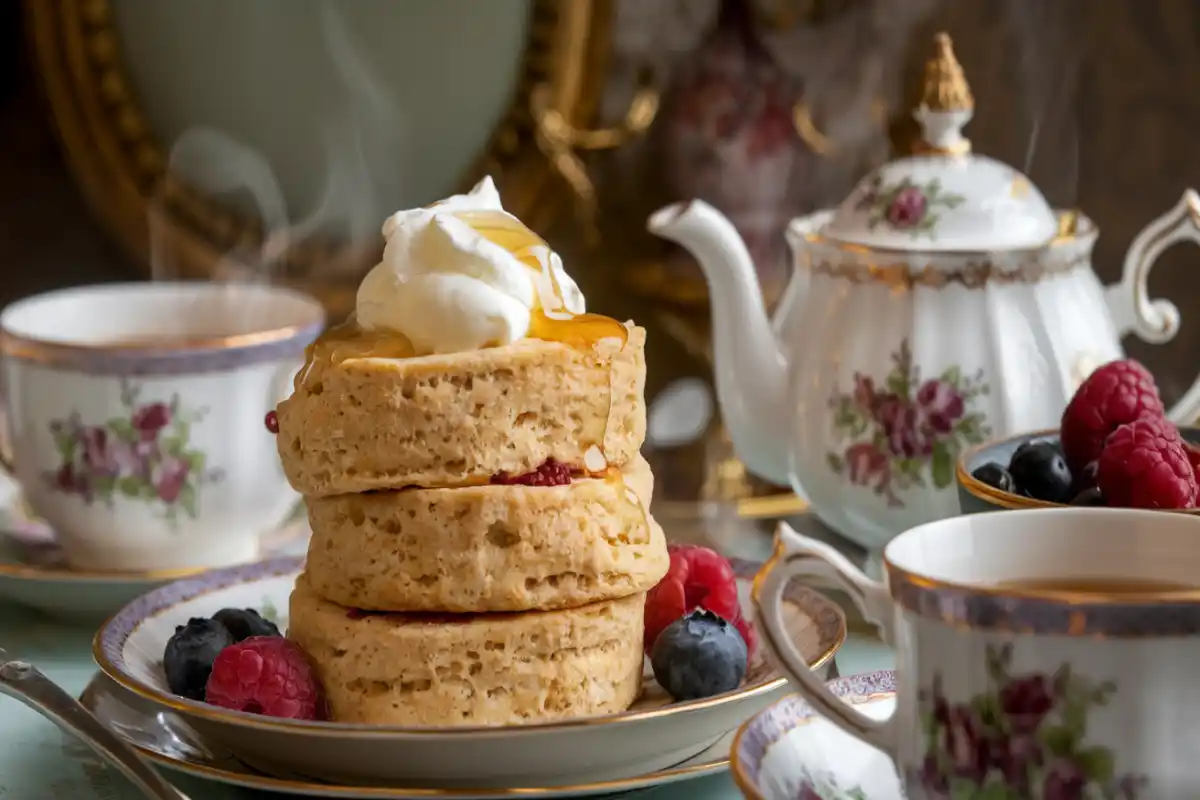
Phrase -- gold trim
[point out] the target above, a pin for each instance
(33, 572)
(121, 167)
(945, 87)
(972, 275)
(923, 148)
(1007, 500)
(1073, 226)
(66, 574)
(736, 769)
(778, 551)
(559, 140)
(765, 507)
(897, 575)
(259, 781)
(201, 710)
(979, 269)
(772, 506)
(44, 351)
(262, 782)
(1170, 226)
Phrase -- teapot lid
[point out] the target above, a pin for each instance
(943, 197)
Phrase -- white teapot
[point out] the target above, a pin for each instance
(942, 304)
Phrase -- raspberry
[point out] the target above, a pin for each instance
(698, 578)
(1144, 465)
(1115, 394)
(550, 473)
(266, 675)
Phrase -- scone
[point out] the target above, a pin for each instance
(458, 419)
(487, 669)
(488, 548)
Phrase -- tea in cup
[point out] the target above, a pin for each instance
(1039, 654)
(136, 416)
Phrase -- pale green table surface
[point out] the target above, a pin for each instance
(37, 762)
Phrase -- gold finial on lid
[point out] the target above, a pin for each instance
(946, 87)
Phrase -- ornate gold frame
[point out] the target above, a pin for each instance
(120, 165)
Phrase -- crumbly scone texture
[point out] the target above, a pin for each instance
(491, 669)
(488, 548)
(461, 418)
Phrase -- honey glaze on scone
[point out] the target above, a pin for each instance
(465, 295)
(551, 315)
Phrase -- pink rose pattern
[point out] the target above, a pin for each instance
(145, 456)
(905, 432)
(1026, 736)
(906, 206)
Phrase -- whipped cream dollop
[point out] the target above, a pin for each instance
(447, 288)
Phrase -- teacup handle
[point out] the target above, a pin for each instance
(798, 556)
(1129, 303)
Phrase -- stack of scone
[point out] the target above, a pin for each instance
(468, 452)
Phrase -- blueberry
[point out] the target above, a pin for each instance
(1041, 471)
(1089, 497)
(699, 655)
(190, 653)
(243, 623)
(1084, 479)
(995, 476)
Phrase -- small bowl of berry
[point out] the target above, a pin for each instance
(1115, 447)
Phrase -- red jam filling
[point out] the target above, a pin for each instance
(550, 473)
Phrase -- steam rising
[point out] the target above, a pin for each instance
(349, 207)
(1049, 55)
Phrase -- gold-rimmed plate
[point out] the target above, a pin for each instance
(169, 743)
(653, 736)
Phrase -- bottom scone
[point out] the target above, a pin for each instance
(462, 669)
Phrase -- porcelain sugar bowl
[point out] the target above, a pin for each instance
(943, 303)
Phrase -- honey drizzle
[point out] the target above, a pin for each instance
(553, 322)
(347, 341)
(613, 477)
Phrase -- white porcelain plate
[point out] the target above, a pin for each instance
(168, 742)
(655, 735)
(33, 573)
(790, 752)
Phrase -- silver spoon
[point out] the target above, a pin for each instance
(27, 684)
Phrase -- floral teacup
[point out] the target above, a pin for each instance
(1040, 654)
(136, 417)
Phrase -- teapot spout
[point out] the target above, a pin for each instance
(749, 365)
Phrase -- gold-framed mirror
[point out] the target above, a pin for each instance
(164, 118)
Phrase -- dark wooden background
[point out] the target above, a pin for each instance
(47, 237)
(1114, 85)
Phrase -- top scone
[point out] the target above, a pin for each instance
(463, 418)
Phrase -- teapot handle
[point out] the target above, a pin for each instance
(1156, 321)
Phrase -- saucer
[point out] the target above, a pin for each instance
(168, 742)
(789, 751)
(34, 574)
(655, 735)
